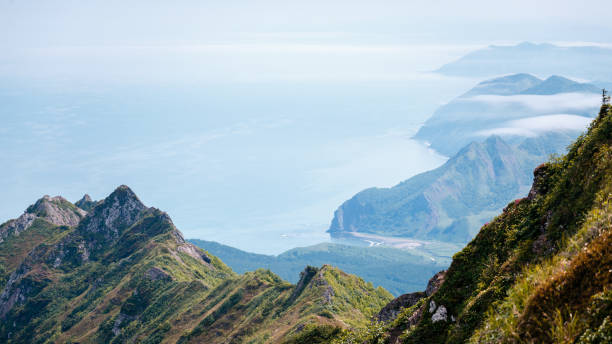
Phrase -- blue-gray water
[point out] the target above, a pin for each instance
(260, 166)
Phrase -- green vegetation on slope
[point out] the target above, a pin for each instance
(125, 274)
(398, 271)
(541, 271)
(447, 204)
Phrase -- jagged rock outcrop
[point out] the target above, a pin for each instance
(439, 312)
(55, 210)
(435, 282)
(393, 308)
(305, 277)
(85, 203)
(156, 273)
(118, 211)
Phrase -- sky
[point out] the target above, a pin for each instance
(242, 117)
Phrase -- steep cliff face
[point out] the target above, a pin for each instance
(124, 273)
(448, 203)
(541, 271)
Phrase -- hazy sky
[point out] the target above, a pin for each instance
(238, 117)
(256, 40)
(59, 23)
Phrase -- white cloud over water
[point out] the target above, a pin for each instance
(559, 103)
(533, 126)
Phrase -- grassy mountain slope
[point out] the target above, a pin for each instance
(540, 272)
(124, 274)
(449, 203)
(398, 271)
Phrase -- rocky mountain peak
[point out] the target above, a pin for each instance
(86, 203)
(118, 211)
(55, 210)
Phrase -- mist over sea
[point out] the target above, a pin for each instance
(260, 166)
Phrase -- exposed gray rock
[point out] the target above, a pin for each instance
(539, 186)
(12, 292)
(83, 251)
(156, 273)
(86, 203)
(393, 308)
(118, 211)
(305, 277)
(193, 251)
(439, 315)
(55, 210)
(15, 227)
(435, 282)
(432, 306)
(121, 318)
(328, 294)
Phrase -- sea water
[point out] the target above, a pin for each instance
(259, 166)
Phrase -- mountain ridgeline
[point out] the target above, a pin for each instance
(585, 62)
(121, 273)
(449, 203)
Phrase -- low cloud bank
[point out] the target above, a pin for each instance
(534, 126)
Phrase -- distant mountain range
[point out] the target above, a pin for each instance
(496, 133)
(584, 62)
(513, 107)
(398, 271)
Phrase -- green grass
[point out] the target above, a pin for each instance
(526, 274)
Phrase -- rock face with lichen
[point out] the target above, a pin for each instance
(55, 210)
